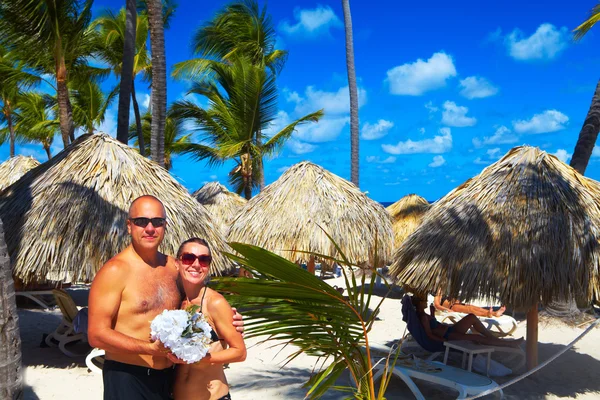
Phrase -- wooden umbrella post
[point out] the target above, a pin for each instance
(532, 337)
(311, 265)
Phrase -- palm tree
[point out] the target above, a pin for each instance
(242, 104)
(240, 29)
(353, 94)
(159, 79)
(113, 31)
(177, 141)
(11, 384)
(591, 125)
(35, 121)
(13, 79)
(288, 305)
(90, 104)
(51, 36)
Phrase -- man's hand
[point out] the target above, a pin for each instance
(158, 349)
(237, 321)
(173, 358)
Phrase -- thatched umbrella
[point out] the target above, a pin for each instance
(221, 204)
(287, 214)
(14, 168)
(525, 229)
(66, 218)
(407, 213)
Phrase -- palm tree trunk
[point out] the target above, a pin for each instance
(11, 129)
(259, 163)
(127, 72)
(587, 135)
(11, 383)
(65, 113)
(353, 94)
(47, 149)
(248, 186)
(138, 121)
(159, 81)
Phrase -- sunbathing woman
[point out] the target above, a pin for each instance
(205, 380)
(449, 304)
(442, 332)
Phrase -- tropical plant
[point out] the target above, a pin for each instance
(177, 141)
(354, 158)
(113, 32)
(159, 80)
(291, 306)
(52, 37)
(90, 104)
(242, 105)
(591, 126)
(240, 29)
(35, 122)
(11, 382)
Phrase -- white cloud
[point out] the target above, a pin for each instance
(377, 160)
(441, 143)
(563, 155)
(475, 87)
(596, 151)
(545, 44)
(414, 79)
(438, 161)
(432, 109)
(281, 170)
(456, 116)
(479, 161)
(422, 131)
(213, 177)
(326, 130)
(548, 121)
(333, 102)
(494, 154)
(146, 100)
(377, 130)
(109, 125)
(298, 147)
(503, 135)
(311, 22)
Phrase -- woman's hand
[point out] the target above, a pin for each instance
(238, 321)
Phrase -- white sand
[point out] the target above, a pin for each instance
(51, 375)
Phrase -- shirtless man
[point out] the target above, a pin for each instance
(127, 293)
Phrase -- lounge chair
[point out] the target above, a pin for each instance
(95, 360)
(64, 332)
(409, 368)
(419, 337)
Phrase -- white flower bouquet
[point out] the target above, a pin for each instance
(185, 332)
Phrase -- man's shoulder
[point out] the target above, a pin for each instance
(118, 266)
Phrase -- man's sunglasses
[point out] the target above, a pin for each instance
(189, 258)
(143, 222)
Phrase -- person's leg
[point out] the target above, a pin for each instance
(470, 309)
(472, 322)
(493, 341)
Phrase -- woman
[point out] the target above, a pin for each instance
(442, 332)
(447, 304)
(205, 380)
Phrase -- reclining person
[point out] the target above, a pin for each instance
(443, 303)
(439, 332)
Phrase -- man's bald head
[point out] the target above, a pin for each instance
(143, 203)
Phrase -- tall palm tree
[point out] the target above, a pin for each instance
(159, 79)
(51, 36)
(126, 83)
(90, 104)
(177, 141)
(113, 31)
(354, 159)
(35, 121)
(242, 104)
(240, 29)
(591, 125)
(13, 79)
(11, 381)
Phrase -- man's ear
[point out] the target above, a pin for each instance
(128, 226)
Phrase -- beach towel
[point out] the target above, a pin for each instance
(409, 315)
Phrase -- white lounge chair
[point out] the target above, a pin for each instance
(64, 332)
(503, 325)
(465, 383)
(95, 360)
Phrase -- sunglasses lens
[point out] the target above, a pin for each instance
(158, 222)
(188, 259)
(205, 259)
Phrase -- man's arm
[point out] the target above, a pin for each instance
(104, 302)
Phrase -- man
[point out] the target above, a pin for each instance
(127, 293)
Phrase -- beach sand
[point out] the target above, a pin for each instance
(51, 375)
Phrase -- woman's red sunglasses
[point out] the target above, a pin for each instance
(189, 258)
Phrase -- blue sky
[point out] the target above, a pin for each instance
(445, 88)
